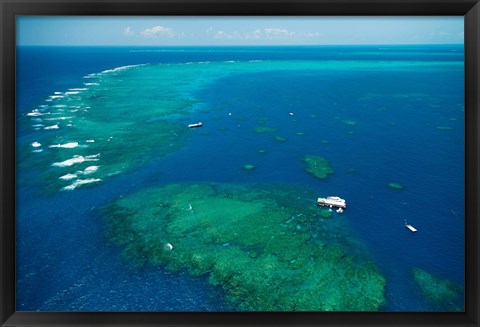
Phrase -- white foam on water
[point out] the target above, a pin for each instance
(70, 162)
(36, 144)
(36, 113)
(117, 69)
(56, 96)
(52, 127)
(38, 150)
(90, 76)
(90, 170)
(59, 106)
(78, 89)
(76, 159)
(38, 125)
(71, 92)
(68, 177)
(90, 141)
(69, 145)
(61, 118)
(91, 84)
(80, 182)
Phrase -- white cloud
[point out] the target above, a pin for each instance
(315, 34)
(159, 31)
(258, 34)
(277, 33)
(127, 31)
(228, 36)
(440, 34)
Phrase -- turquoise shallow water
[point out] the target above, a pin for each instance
(111, 131)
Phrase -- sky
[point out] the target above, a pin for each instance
(237, 30)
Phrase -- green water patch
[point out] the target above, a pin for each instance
(395, 186)
(249, 167)
(258, 243)
(280, 138)
(350, 122)
(444, 128)
(318, 166)
(264, 129)
(441, 292)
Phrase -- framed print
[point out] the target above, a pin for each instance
(241, 163)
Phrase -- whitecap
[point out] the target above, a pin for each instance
(52, 127)
(60, 118)
(78, 89)
(37, 125)
(56, 96)
(90, 141)
(68, 177)
(80, 182)
(74, 160)
(91, 83)
(117, 69)
(71, 92)
(90, 170)
(38, 150)
(36, 113)
(69, 145)
(36, 144)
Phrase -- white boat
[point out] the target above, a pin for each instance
(332, 201)
(199, 124)
(411, 228)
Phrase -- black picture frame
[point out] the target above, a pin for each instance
(470, 9)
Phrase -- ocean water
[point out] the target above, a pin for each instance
(95, 124)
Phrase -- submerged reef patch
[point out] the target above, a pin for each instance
(256, 242)
(248, 167)
(262, 129)
(318, 166)
(441, 292)
(395, 186)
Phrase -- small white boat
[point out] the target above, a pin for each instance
(199, 124)
(411, 228)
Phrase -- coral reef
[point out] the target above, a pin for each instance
(256, 242)
(318, 166)
(442, 292)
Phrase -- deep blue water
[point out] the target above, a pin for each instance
(64, 262)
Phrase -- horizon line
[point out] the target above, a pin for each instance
(237, 45)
